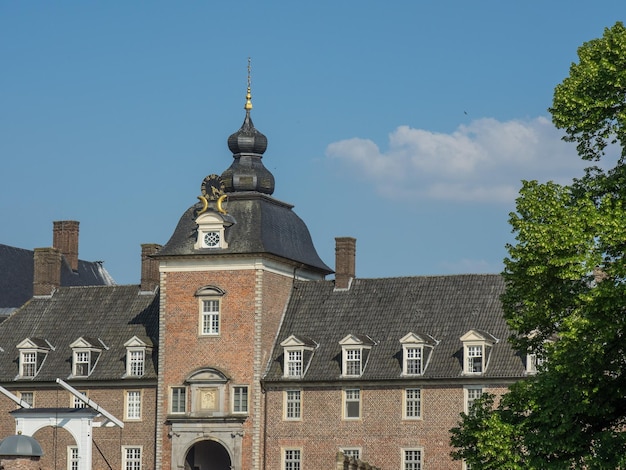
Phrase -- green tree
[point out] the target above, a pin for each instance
(565, 293)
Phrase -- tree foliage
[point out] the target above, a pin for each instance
(565, 295)
(590, 104)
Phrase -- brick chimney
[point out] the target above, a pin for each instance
(47, 271)
(65, 239)
(150, 278)
(345, 255)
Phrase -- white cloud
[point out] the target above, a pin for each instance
(483, 161)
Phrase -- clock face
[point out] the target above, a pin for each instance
(212, 239)
(212, 187)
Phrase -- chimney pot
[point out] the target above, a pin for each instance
(345, 256)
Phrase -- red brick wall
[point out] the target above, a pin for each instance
(381, 432)
(250, 315)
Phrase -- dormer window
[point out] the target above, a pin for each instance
(86, 352)
(355, 350)
(476, 349)
(137, 350)
(416, 350)
(297, 353)
(33, 353)
(211, 230)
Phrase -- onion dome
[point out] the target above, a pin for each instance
(247, 172)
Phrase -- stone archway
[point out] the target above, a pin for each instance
(208, 455)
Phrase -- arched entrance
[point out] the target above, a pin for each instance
(207, 455)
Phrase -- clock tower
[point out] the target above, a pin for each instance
(225, 277)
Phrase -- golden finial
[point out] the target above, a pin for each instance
(248, 105)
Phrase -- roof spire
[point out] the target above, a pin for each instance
(248, 105)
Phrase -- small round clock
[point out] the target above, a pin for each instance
(212, 187)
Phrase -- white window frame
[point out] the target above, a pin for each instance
(238, 406)
(82, 357)
(133, 405)
(352, 395)
(412, 403)
(471, 393)
(476, 350)
(291, 458)
(210, 318)
(475, 358)
(413, 360)
(409, 462)
(76, 402)
(33, 354)
(73, 460)
(132, 462)
(28, 397)
(137, 354)
(292, 405)
(353, 362)
(136, 362)
(294, 362)
(354, 452)
(179, 399)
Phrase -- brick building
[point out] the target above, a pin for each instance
(235, 352)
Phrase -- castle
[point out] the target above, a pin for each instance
(236, 352)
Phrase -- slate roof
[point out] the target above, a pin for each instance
(108, 314)
(17, 270)
(444, 307)
(263, 225)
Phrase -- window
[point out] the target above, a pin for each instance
(412, 459)
(240, 399)
(28, 397)
(416, 350)
(137, 350)
(354, 352)
(210, 323)
(412, 403)
(72, 458)
(352, 403)
(179, 400)
(293, 404)
(292, 460)
(211, 227)
(33, 352)
(133, 405)
(476, 347)
(353, 362)
(86, 352)
(294, 363)
(352, 452)
(471, 395)
(81, 364)
(77, 402)
(297, 353)
(474, 359)
(29, 364)
(131, 458)
(413, 361)
(136, 359)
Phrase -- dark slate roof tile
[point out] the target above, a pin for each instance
(444, 307)
(106, 314)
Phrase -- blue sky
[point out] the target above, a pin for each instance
(405, 124)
